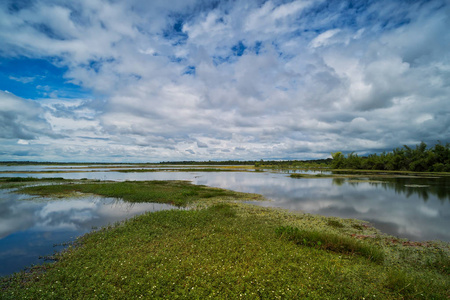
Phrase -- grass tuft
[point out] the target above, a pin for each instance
(330, 241)
(335, 224)
(440, 262)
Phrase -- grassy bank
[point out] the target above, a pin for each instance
(222, 248)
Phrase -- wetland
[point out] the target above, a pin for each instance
(402, 219)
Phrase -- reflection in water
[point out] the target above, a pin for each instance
(417, 213)
(401, 207)
(29, 229)
(423, 187)
(414, 208)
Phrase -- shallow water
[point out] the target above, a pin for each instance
(31, 228)
(413, 208)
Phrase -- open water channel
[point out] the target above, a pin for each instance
(413, 208)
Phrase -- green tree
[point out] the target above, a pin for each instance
(338, 160)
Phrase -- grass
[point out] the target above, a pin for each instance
(225, 249)
(16, 182)
(29, 179)
(299, 175)
(180, 170)
(331, 241)
(179, 193)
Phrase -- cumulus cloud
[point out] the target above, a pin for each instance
(22, 119)
(250, 80)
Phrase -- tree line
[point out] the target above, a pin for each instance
(418, 159)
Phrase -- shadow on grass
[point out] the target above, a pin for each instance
(330, 241)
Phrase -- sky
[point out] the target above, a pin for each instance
(151, 81)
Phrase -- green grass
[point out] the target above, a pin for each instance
(179, 170)
(331, 241)
(319, 175)
(16, 182)
(179, 193)
(224, 249)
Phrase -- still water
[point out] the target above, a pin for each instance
(32, 229)
(413, 208)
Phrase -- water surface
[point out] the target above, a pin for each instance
(30, 228)
(413, 208)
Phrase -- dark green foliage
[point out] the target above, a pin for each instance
(420, 159)
(329, 241)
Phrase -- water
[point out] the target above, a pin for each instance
(31, 228)
(413, 208)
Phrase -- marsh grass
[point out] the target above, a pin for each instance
(331, 241)
(180, 170)
(299, 175)
(29, 179)
(224, 249)
(179, 193)
(335, 224)
(16, 182)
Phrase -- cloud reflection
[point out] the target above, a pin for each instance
(390, 206)
(29, 229)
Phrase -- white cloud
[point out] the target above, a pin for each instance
(251, 80)
(22, 79)
(323, 39)
(23, 142)
(21, 119)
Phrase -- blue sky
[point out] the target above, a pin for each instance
(137, 80)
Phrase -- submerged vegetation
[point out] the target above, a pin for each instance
(223, 248)
(418, 159)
